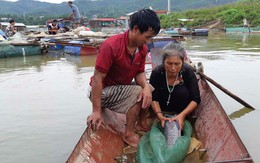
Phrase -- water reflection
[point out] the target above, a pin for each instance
(44, 106)
(224, 42)
(21, 63)
(44, 101)
(239, 113)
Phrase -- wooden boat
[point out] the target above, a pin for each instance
(212, 127)
(80, 48)
(19, 49)
(184, 31)
(200, 32)
(253, 30)
(76, 47)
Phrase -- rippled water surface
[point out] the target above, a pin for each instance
(44, 101)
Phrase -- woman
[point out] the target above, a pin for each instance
(176, 86)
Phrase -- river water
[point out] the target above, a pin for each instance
(44, 101)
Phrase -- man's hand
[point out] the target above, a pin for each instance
(146, 95)
(95, 120)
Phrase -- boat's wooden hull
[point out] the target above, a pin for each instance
(215, 130)
(101, 145)
(81, 51)
(212, 126)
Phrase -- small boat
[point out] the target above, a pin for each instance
(253, 30)
(80, 48)
(238, 30)
(185, 31)
(171, 31)
(200, 32)
(75, 47)
(211, 126)
(160, 41)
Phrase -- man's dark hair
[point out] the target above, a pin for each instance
(11, 21)
(70, 2)
(145, 19)
(54, 20)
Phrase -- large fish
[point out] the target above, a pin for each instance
(171, 132)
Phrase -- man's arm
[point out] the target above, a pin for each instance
(95, 119)
(97, 86)
(70, 15)
(146, 94)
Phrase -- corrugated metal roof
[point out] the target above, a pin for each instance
(16, 24)
(105, 19)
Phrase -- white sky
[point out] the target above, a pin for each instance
(50, 1)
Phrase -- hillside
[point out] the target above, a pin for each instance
(229, 15)
(108, 8)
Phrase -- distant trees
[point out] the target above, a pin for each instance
(231, 15)
(28, 19)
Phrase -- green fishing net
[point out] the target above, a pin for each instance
(153, 147)
(8, 50)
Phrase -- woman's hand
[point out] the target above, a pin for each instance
(162, 119)
(180, 119)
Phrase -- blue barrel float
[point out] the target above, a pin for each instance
(78, 48)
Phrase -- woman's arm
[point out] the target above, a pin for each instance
(156, 108)
(180, 118)
(193, 88)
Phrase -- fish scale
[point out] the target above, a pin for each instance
(171, 132)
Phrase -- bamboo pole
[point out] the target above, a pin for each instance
(226, 91)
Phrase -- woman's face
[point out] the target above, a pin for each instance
(173, 65)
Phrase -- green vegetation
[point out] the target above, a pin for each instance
(36, 13)
(28, 19)
(231, 15)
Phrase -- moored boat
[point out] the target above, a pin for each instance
(253, 30)
(80, 48)
(200, 32)
(185, 31)
(76, 47)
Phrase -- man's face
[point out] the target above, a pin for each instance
(70, 4)
(143, 38)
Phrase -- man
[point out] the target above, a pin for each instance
(75, 13)
(120, 60)
(10, 29)
(53, 27)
